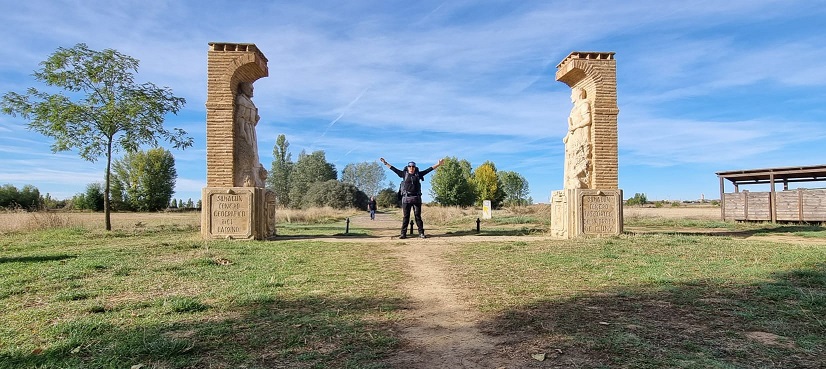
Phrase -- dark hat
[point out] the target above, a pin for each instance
(411, 164)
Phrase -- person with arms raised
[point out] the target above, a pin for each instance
(411, 193)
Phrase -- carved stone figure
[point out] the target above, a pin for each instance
(578, 142)
(252, 173)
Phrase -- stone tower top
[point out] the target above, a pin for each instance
(591, 145)
(592, 55)
(228, 64)
(229, 46)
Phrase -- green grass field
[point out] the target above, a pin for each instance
(161, 297)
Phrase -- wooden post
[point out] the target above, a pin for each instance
(722, 199)
(772, 200)
(746, 204)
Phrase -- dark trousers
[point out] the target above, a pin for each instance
(417, 212)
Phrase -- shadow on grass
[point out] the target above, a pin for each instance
(268, 332)
(35, 259)
(776, 324)
(791, 229)
(308, 232)
(525, 231)
(709, 232)
(348, 236)
(803, 230)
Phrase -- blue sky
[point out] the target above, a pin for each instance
(703, 86)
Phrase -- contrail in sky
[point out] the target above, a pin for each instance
(431, 13)
(343, 111)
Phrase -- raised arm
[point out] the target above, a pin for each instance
(428, 170)
(398, 172)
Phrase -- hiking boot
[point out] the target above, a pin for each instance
(403, 236)
(421, 235)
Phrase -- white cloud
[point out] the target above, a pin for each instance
(472, 79)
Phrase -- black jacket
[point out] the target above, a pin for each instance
(411, 183)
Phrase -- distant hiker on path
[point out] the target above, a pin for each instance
(371, 207)
(411, 192)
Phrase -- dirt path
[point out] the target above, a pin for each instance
(440, 327)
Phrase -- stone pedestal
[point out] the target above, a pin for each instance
(238, 213)
(586, 212)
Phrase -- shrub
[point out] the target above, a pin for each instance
(334, 194)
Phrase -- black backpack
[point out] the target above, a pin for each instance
(408, 185)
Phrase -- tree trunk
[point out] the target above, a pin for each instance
(106, 212)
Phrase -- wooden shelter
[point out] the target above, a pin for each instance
(796, 205)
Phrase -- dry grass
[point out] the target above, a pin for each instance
(451, 215)
(672, 212)
(313, 216)
(21, 221)
(446, 215)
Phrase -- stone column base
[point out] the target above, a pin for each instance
(586, 212)
(245, 213)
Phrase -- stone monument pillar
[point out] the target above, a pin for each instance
(235, 202)
(591, 202)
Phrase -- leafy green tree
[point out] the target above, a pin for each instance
(638, 199)
(334, 194)
(486, 182)
(282, 165)
(8, 195)
(367, 176)
(515, 187)
(451, 185)
(92, 199)
(112, 112)
(27, 197)
(387, 198)
(117, 194)
(144, 179)
(30, 197)
(308, 170)
(8, 192)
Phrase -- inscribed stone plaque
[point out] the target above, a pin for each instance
(600, 214)
(230, 214)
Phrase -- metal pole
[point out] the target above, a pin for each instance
(478, 221)
(347, 228)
